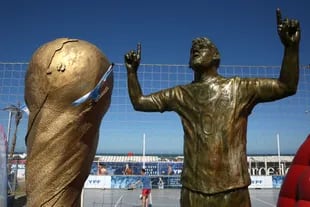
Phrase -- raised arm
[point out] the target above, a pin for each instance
(132, 62)
(289, 33)
(138, 100)
(266, 89)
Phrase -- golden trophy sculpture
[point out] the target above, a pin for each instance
(68, 90)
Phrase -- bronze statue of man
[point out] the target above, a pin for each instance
(214, 111)
(68, 90)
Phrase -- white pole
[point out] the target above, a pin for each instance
(279, 156)
(250, 165)
(9, 127)
(143, 151)
(82, 197)
(4, 178)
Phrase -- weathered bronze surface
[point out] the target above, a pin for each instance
(214, 111)
(62, 137)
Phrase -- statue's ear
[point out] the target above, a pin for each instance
(216, 56)
(216, 59)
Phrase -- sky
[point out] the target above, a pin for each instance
(243, 30)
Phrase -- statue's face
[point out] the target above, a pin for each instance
(200, 57)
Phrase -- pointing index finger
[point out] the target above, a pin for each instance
(279, 16)
(139, 50)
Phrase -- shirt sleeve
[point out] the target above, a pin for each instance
(166, 100)
(260, 89)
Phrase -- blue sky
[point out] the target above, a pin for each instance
(244, 31)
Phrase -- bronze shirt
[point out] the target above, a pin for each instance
(214, 116)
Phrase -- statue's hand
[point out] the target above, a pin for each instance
(132, 59)
(288, 30)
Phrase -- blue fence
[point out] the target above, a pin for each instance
(166, 181)
(152, 168)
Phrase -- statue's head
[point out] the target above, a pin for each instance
(203, 54)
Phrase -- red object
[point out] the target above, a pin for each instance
(146, 192)
(295, 190)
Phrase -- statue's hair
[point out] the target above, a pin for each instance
(203, 41)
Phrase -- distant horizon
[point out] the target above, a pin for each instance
(175, 154)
